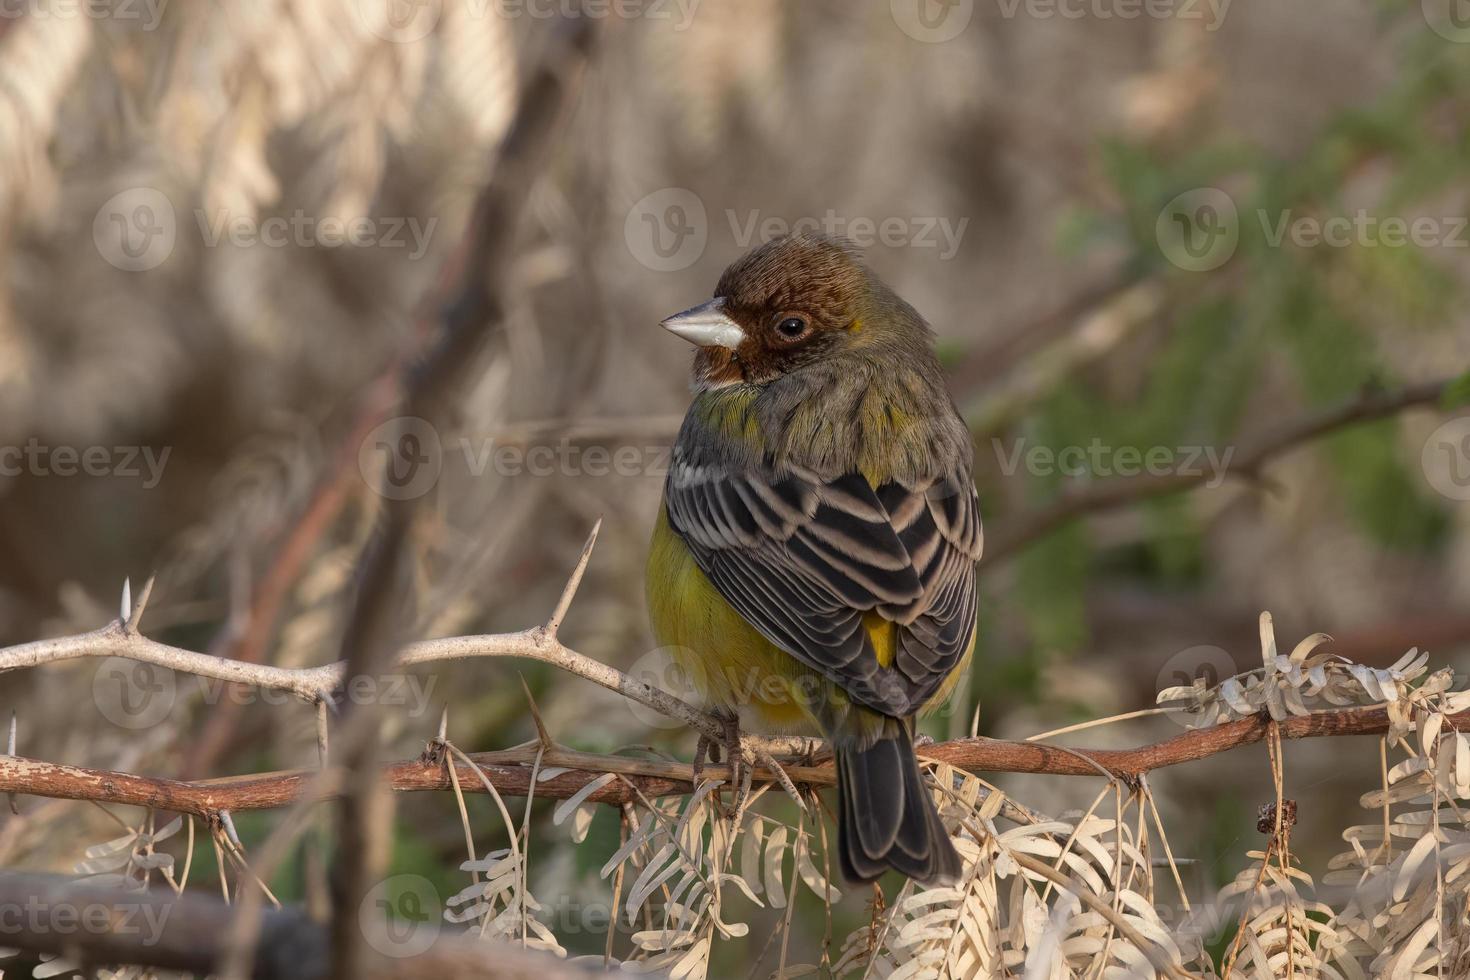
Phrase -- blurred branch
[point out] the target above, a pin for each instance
(184, 932)
(250, 641)
(432, 391)
(1000, 358)
(664, 428)
(1247, 462)
(1101, 330)
(1427, 629)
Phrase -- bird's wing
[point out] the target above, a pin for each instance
(802, 558)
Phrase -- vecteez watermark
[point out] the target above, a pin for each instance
(669, 229)
(1210, 14)
(405, 457)
(1200, 229)
(1445, 458)
(407, 21)
(937, 21)
(146, 14)
(138, 229)
(63, 917)
(932, 21)
(401, 915)
(38, 459)
(1450, 19)
(137, 696)
(302, 230)
(678, 14)
(1363, 229)
(1099, 459)
(513, 459)
(1205, 665)
(681, 672)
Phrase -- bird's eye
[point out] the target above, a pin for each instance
(791, 327)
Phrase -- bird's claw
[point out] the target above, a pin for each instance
(704, 749)
(728, 748)
(734, 749)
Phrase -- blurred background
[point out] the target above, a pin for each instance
(1146, 236)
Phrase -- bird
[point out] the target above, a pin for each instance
(813, 564)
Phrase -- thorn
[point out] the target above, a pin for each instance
(546, 742)
(321, 733)
(564, 603)
(136, 615)
(444, 724)
(10, 751)
(126, 613)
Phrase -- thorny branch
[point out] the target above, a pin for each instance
(510, 770)
(319, 684)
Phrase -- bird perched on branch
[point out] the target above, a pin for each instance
(813, 565)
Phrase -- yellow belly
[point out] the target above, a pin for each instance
(732, 664)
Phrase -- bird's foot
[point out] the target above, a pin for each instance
(814, 751)
(729, 747)
(704, 750)
(734, 748)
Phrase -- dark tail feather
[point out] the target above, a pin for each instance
(887, 817)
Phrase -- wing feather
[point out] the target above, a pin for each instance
(801, 558)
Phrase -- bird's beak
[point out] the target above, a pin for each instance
(706, 325)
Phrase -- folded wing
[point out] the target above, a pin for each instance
(802, 558)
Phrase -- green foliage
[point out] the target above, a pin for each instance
(1050, 588)
(1457, 395)
(1334, 358)
(998, 676)
(1173, 555)
(1185, 396)
(1326, 311)
(1052, 575)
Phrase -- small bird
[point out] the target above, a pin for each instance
(813, 564)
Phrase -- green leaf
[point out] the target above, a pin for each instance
(1456, 394)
